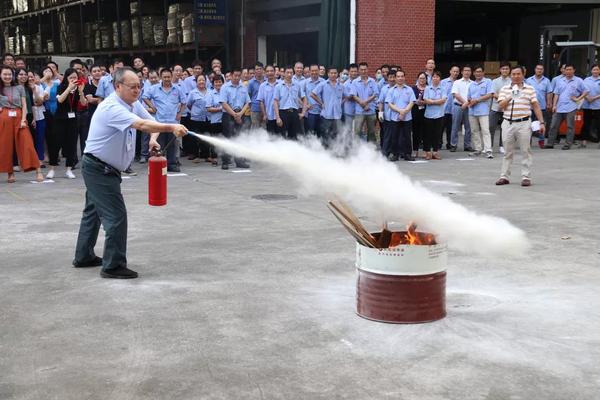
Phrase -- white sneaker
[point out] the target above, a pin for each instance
(16, 168)
(489, 154)
(50, 174)
(501, 150)
(69, 174)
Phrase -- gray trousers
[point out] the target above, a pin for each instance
(104, 205)
(460, 117)
(370, 119)
(557, 119)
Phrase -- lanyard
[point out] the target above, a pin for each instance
(71, 100)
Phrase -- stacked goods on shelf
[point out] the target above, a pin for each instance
(148, 31)
(125, 34)
(177, 12)
(135, 31)
(36, 43)
(187, 27)
(160, 35)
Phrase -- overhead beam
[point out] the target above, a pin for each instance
(270, 5)
(288, 26)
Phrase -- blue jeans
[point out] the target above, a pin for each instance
(104, 205)
(460, 117)
(311, 123)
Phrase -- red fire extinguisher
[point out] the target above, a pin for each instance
(157, 180)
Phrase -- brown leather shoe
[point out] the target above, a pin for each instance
(526, 182)
(502, 181)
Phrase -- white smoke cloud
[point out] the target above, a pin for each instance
(371, 184)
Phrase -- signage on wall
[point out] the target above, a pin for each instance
(210, 12)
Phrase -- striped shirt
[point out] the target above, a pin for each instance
(519, 107)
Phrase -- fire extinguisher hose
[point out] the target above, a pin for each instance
(162, 152)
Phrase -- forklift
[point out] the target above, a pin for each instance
(557, 48)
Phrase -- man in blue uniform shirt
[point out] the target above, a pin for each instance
(328, 95)
(568, 92)
(235, 101)
(110, 148)
(106, 86)
(311, 106)
(266, 97)
(541, 84)
(167, 103)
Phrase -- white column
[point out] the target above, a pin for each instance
(261, 49)
(352, 31)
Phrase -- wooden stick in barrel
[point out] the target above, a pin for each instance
(355, 223)
(349, 227)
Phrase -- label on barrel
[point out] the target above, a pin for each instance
(164, 171)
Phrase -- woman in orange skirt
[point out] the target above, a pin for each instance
(14, 131)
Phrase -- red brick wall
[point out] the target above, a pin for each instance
(397, 32)
(250, 43)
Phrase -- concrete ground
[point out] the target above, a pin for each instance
(241, 298)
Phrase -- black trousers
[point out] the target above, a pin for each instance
(389, 138)
(231, 129)
(591, 125)
(195, 146)
(291, 123)
(164, 139)
(432, 137)
(418, 127)
(63, 137)
(403, 133)
(189, 143)
(447, 128)
(272, 127)
(83, 128)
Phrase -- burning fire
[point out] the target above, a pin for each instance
(381, 240)
(410, 237)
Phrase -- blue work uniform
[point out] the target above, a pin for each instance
(105, 86)
(542, 88)
(363, 91)
(197, 102)
(266, 95)
(167, 102)
(565, 89)
(435, 111)
(476, 91)
(253, 87)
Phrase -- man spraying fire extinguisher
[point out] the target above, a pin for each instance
(110, 148)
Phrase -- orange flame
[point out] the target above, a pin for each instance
(412, 237)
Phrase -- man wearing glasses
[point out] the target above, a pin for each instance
(110, 149)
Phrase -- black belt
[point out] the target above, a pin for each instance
(107, 167)
(517, 120)
(290, 110)
(457, 104)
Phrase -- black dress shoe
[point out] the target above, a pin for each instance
(448, 146)
(174, 168)
(224, 166)
(242, 165)
(408, 157)
(95, 262)
(469, 149)
(453, 149)
(119, 273)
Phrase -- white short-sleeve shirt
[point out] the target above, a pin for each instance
(111, 137)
